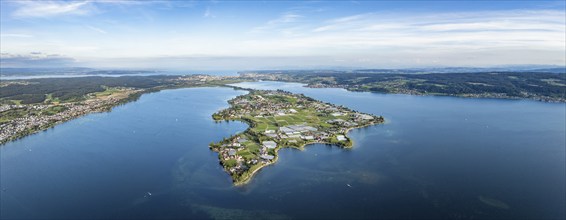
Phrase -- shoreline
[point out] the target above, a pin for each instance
(302, 147)
(465, 96)
(107, 107)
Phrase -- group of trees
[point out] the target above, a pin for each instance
(510, 83)
(65, 89)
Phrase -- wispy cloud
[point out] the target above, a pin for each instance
(342, 22)
(16, 35)
(207, 13)
(51, 8)
(466, 21)
(35, 59)
(511, 36)
(542, 29)
(282, 21)
(285, 18)
(96, 29)
(368, 36)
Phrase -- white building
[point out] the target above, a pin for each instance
(269, 144)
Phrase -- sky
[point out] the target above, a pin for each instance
(246, 35)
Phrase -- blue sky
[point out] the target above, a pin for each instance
(236, 35)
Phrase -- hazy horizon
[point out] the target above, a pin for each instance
(217, 35)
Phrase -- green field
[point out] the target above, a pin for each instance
(308, 117)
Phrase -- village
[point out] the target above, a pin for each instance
(280, 119)
(36, 117)
(18, 120)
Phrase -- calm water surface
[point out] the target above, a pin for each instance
(436, 157)
(187, 72)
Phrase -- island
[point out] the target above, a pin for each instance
(279, 119)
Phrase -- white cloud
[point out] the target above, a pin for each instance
(208, 14)
(280, 22)
(521, 29)
(493, 37)
(35, 59)
(286, 18)
(369, 39)
(96, 29)
(16, 35)
(51, 8)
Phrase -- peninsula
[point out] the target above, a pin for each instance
(279, 119)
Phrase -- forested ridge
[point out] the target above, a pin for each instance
(36, 90)
(509, 84)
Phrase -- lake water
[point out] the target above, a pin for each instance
(436, 157)
(175, 73)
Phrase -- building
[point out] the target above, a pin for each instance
(242, 140)
(269, 144)
(286, 130)
(364, 116)
(308, 137)
(267, 157)
(341, 138)
(338, 121)
(336, 114)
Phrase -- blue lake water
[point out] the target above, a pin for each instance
(436, 157)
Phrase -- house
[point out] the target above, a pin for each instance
(242, 140)
(331, 109)
(309, 128)
(338, 121)
(269, 144)
(336, 114)
(364, 116)
(267, 157)
(286, 130)
(302, 128)
(294, 136)
(341, 138)
(309, 137)
(231, 152)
